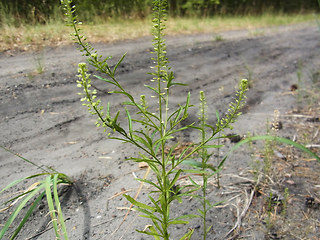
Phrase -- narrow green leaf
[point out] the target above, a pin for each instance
(124, 93)
(212, 146)
(187, 216)
(152, 89)
(213, 130)
(128, 103)
(196, 164)
(19, 208)
(151, 233)
(152, 115)
(163, 139)
(129, 122)
(58, 206)
(13, 183)
(138, 204)
(180, 84)
(141, 140)
(200, 211)
(182, 154)
(193, 182)
(24, 159)
(174, 180)
(27, 215)
(148, 139)
(208, 229)
(195, 171)
(52, 210)
(146, 160)
(192, 163)
(119, 62)
(171, 132)
(149, 182)
(143, 122)
(277, 139)
(178, 222)
(158, 208)
(185, 113)
(188, 235)
(156, 234)
(104, 79)
(177, 115)
(148, 214)
(175, 197)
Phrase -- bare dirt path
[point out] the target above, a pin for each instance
(43, 120)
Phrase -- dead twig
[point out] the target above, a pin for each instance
(118, 194)
(313, 146)
(240, 216)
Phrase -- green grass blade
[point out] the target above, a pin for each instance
(18, 181)
(24, 159)
(26, 217)
(212, 146)
(19, 208)
(12, 184)
(52, 210)
(278, 139)
(58, 206)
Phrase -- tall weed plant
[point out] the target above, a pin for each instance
(147, 130)
(150, 131)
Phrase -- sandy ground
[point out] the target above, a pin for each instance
(43, 120)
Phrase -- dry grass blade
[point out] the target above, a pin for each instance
(243, 213)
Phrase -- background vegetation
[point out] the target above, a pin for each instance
(35, 24)
(17, 12)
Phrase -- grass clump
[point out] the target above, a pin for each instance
(45, 185)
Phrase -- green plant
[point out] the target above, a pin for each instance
(257, 33)
(218, 38)
(205, 166)
(38, 59)
(33, 195)
(255, 164)
(150, 132)
(268, 152)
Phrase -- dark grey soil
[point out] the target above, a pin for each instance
(43, 120)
